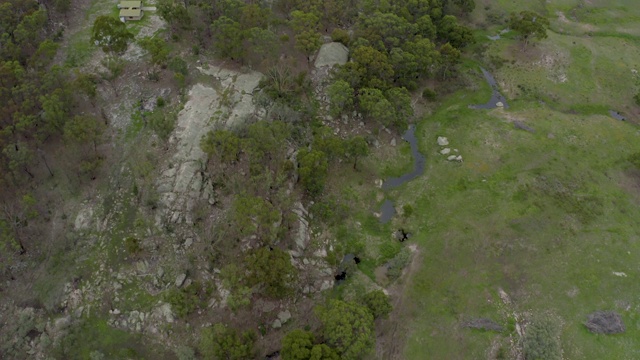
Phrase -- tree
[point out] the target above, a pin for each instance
(376, 106)
(313, 169)
(111, 35)
(378, 303)
(157, 50)
(323, 352)
(174, 13)
(83, 129)
(449, 59)
(529, 25)
(348, 328)
(308, 42)
(450, 31)
(374, 66)
(223, 144)
(271, 269)
(262, 46)
(296, 345)
(254, 215)
(228, 37)
(357, 148)
(302, 21)
(400, 98)
(341, 96)
(222, 342)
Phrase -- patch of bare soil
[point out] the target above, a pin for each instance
(392, 332)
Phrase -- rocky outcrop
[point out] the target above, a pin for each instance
(184, 183)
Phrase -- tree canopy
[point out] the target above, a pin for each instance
(348, 328)
(529, 25)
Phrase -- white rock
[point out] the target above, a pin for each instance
(393, 142)
(459, 158)
(276, 324)
(452, 158)
(188, 243)
(180, 279)
(445, 151)
(284, 316)
(443, 141)
(499, 104)
(620, 274)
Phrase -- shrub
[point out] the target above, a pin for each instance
(132, 244)
(429, 94)
(222, 342)
(378, 303)
(186, 300)
(160, 101)
(340, 36)
(637, 98)
(398, 263)
(541, 341)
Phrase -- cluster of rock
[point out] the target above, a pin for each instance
(315, 271)
(443, 142)
(605, 322)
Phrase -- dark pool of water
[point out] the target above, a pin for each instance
(496, 97)
(387, 211)
(616, 115)
(419, 162)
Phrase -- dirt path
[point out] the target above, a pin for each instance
(392, 333)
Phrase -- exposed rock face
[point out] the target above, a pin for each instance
(443, 141)
(333, 53)
(303, 236)
(183, 183)
(605, 322)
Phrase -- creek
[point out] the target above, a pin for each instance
(496, 97)
(387, 211)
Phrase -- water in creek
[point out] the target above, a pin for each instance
(496, 97)
(419, 162)
(616, 115)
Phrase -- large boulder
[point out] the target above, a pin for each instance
(333, 53)
(605, 322)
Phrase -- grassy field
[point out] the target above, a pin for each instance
(547, 216)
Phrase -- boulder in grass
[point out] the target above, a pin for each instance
(605, 322)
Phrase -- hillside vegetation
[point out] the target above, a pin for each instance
(209, 182)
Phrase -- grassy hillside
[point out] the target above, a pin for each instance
(547, 216)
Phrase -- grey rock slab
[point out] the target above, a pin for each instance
(180, 279)
(333, 53)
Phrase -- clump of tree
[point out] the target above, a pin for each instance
(301, 345)
(270, 269)
(348, 328)
(529, 25)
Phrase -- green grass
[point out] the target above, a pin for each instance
(534, 215)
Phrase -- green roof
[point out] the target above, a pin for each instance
(130, 12)
(130, 4)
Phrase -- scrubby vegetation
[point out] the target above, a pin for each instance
(194, 183)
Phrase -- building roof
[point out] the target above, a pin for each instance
(130, 12)
(130, 4)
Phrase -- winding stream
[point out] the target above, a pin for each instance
(387, 211)
(496, 97)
